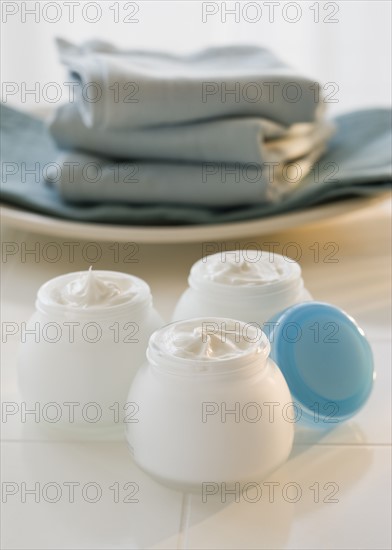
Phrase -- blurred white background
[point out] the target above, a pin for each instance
(347, 43)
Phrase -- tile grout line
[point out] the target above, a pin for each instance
(186, 505)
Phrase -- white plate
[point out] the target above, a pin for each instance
(56, 227)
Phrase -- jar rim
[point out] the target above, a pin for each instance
(45, 304)
(291, 282)
(162, 359)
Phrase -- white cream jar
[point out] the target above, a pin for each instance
(210, 405)
(83, 346)
(249, 285)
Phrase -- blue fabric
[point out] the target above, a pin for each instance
(156, 88)
(358, 162)
(239, 139)
(235, 104)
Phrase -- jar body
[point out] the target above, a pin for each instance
(83, 366)
(191, 430)
(255, 309)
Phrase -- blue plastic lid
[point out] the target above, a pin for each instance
(325, 358)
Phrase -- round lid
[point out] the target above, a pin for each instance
(325, 358)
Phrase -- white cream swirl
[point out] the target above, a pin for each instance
(245, 268)
(209, 339)
(94, 289)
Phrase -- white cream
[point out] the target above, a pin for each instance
(94, 289)
(244, 267)
(209, 340)
(248, 285)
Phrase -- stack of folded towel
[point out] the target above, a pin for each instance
(225, 127)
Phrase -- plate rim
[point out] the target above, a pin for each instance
(19, 218)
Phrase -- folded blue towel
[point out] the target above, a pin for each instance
(81, 178)
(133, 89)
(358, 162)
(239, 139)
(229, 104)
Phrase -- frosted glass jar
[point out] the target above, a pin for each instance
(249, 285)
(203, 405)
(83, 346)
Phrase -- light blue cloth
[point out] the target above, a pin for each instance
(360, 151)
(135, 89)
(81, 179)
(84, 178)
(227, 104)
(217, 128)
(239, 139)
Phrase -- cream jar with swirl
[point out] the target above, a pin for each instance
(82, 347)
(210, 405)
(249, 285)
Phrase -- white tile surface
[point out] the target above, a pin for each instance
(356, 456)
(108, 523)
(357, 475)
